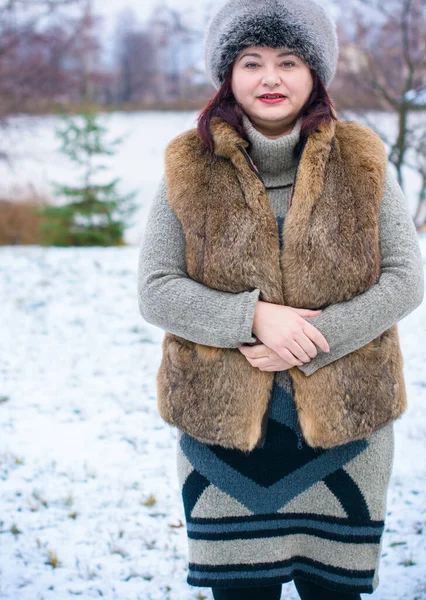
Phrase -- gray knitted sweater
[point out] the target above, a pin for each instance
(169, 299)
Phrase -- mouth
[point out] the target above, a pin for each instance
(272, 98)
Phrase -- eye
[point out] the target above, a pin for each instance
(289, 63)
(251, 65)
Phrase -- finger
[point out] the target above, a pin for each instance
(305, 312)
(298, 351)
(308, 346)
(283, 367)
(316, 336)
(266, 364)
(246, 350)
(286, 355)
(260, 360)
(256, 351)
(276, 365)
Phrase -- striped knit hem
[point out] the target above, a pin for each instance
(359, 540)
(248, 528)
(247, 575)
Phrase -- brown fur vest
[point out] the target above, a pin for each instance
(331, 253)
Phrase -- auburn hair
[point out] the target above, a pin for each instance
(317, 109)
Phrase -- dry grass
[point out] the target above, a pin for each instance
(19, 221)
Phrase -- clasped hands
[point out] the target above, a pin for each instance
(288, 340)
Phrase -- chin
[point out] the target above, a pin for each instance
(274, 117)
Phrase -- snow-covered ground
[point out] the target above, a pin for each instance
(87, 467)
(89, 500)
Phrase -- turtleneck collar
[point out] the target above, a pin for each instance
(273, 158)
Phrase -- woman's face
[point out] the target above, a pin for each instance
(259, 71)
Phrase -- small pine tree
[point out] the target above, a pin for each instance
(96, 214)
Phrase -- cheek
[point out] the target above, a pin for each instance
(307, 85)
(242, 86)
(302, 89)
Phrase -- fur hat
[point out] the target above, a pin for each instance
(300, 25)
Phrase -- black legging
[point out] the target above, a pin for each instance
(312, 591)
(269, 592)
(306, 590)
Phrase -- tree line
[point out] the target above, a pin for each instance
(54, 58)
(57, 55)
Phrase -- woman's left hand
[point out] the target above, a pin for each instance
(265, 359)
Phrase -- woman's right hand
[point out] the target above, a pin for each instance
(283, 329)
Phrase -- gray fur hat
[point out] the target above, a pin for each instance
(300, 25)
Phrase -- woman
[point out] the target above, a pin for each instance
(278, 256)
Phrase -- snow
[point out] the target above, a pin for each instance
(417, 97)
(87, 466)
(82, 447)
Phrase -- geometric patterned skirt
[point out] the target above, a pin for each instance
(285, 510)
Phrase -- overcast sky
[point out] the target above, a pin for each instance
(143, 8)
(195, 14)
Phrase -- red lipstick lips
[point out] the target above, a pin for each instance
(272, 98)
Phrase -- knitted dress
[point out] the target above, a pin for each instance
(285, 509)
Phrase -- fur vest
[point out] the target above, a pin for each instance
(331, 253)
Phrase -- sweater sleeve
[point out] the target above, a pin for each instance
(168, 298)
(350, 325)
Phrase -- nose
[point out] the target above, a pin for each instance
(271, 77)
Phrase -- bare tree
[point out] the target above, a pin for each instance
(135, 60)
(389, 65)
(419, 144)
(154, 61)
(47, 51)
(160, 62)
(84, 54)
